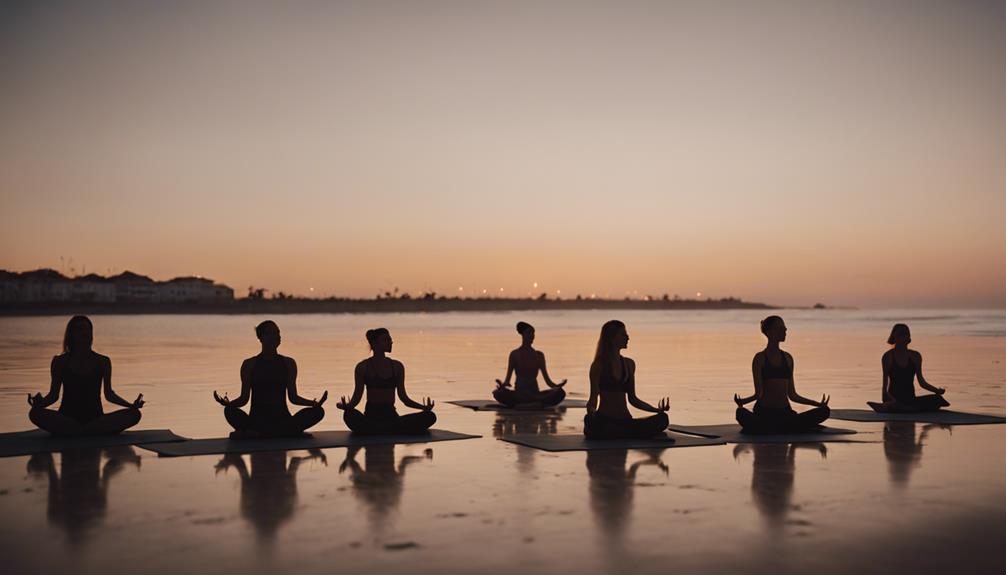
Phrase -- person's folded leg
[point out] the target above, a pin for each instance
(552, 396)
(931, 402)
(54, 422)
(809, 420)
(113, 423)
(306, 418)
(644, 427)
(508, 397)
(237, 418)
(415, 423)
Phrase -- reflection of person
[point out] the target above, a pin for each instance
(382, 377)
(902, 449)
(612, 381)
(772, 475)
(78, 494)
(901, 366)
(378, 484)
(268, 380)
(82, 374)
(772, 370)
(269, 489)
(612, 485)
(527, 362)
(543, 423)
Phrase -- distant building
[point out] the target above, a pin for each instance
(194, 290)
(50, 286)
(134, 288)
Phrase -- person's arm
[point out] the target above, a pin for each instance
(885, 378)
(756, 365)
(630, 392)
(427, 403)
(246, 371)
(55, 383)
(358, 386)
(595, 374)
(922, 381)
(791, 392)
(509, 371)
(544, 373)
(232, 460)
(110, 395)
(291, 387)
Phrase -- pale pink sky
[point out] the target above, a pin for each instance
(791, 152)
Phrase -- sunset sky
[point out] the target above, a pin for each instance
(791, 152)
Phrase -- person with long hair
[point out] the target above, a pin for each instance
(612, 381)
(82, 374)
(772, 371)
(527, 362)
(901, 367)
(268, 380)
(382, 377)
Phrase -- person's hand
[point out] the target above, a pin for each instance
(561, 383)
(319, 455)
(663, 405)
(226, 463)
(224, 401)
(427, 404)
(940, 391)
(138, 402)
(36, 400)
(501, 385)
(320, 402)
(824, 400)
(343, 403)
(738, 400)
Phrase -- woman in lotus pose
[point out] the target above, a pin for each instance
(612, 381)
(901, 366)
(772, 369)
(268, 380)
(527, 361)
(382, 377)
(83, 374)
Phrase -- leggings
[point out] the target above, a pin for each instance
(284, 425)
(111, 423)
(385, 420)
(597, 426)
(785, 420)
(919, 403)
(547, 398)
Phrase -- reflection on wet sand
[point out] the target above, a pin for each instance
(269, 489)
(903, 449)
(612, 486)
(772, 476)
(545, 423)
(78, 493)
(377, 484)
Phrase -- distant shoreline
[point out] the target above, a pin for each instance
(352, 306)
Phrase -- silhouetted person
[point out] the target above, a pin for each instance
(903, 449)
(269, 489)
(268, 380)
(526, 361)
(382, 377)
(772, 476)
(377, 484)
(83, 374)
(901, 366)
(772, 369)
(612, 381)
(78, 493)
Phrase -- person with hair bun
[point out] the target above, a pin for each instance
(900, 367)
(83, 375)
(772, 370)
(526, 362)
(612, 381)
(383, 377)
(268, 380)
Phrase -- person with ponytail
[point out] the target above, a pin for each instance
(383, 377)
(901, 366)
(82, 374)
(526, 361)
(268, 380)
(772, 370)
(612, 381)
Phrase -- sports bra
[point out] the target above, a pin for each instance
(610, 383)
(902, 379)
(772, 371)
(374, 381)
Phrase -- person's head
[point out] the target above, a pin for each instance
(268, 333)
(900, 334)
(774, 328)
(379, 339)
(613, 338)
(79, 334)
(526, 332)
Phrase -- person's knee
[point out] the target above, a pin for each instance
(429, 418)
(133, 416)
(560, 393)
(662, 420)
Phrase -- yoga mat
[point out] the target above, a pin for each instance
(942, 416)
(731, 433)
(38, 441)
(580, 443)
(493, 405)
(318, 439)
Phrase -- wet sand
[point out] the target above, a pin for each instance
(916, 499)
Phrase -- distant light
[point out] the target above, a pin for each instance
(501, 289)
(485, 291)
(557, 292)
(535, 284)
(310, 289)
(698, 294)
(461, 288)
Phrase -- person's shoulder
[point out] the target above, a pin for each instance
(249, 362)
(760, 356)
(396, 364)
(289, 360)
(915, 355)
(630, 363)
(102, 359)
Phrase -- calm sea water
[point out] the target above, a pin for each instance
(913, 498)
